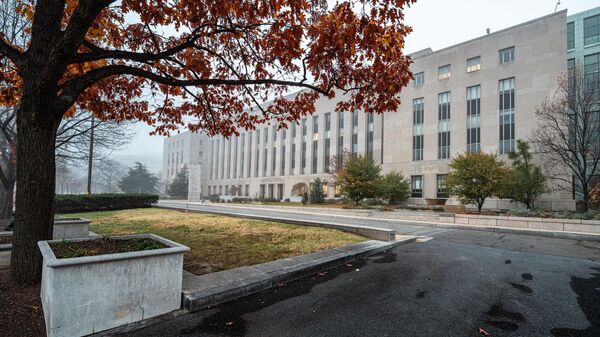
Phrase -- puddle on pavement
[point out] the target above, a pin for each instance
(588, 298)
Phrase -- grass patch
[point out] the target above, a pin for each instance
(220, 242)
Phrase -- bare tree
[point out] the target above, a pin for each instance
(107, 175)
(72, 146)
(568, 133)
(73, 138)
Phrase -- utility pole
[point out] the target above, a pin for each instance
(90, 158)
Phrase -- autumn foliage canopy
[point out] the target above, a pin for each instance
(207, 64)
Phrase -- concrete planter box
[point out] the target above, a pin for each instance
(89, 294)
(73, 228)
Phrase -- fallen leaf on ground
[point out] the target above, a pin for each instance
(229, 323)
(483, 332)
(323, 273)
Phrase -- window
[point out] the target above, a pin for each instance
(507, 115)
(273, 160)
(474, 118)
(473, 64)
(247, 190)
(248, 173)
(418, 115)
(265, 154)
(507, 55)
(591, 30)
(340, 140)
(571, 35)
(283, 147)
(444, 100)
(303, 149)
(314, 156)
(416, 186)
(370, 120)
(256, 161)
(327, 151)
(293, 152)
(444, 72)
(235, 149)
(243, 155)
(441, 187)
(419, 79)
(354, 145)
(315, 143)
(571, 74)
(591, 69)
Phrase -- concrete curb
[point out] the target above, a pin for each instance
(200, 292)
(381, 234)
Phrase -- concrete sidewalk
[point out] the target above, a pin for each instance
(401, 226)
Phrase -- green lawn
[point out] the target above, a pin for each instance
(219, 242)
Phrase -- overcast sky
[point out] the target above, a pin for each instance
(436, 24)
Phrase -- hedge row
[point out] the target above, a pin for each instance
(73, 203)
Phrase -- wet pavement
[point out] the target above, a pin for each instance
(462, 283)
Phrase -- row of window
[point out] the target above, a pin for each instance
(506, 108)
(224, 156)
(591, 32)
(416, 186)
(268, 190)
(505, 55)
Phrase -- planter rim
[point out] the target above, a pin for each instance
(53, 262)
(71, 220)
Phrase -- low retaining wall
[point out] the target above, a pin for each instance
(548, 224)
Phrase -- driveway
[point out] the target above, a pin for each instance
(454, 285)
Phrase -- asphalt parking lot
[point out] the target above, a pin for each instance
(462, 283)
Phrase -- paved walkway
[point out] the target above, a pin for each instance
(508, 285)
(343, 217)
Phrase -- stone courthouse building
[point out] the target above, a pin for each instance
(479, 95)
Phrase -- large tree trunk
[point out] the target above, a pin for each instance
(36, 134)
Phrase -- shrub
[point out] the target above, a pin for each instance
(359, 178)
(476, 177)
(304, 198)
(394, 188)
(316, 195)
(525, 183)
(286, 200)
(73, 203)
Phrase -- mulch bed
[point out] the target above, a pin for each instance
(21, 312)
(102, 246)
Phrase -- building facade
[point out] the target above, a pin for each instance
(179, 152)
(479, 95)
(280, 164)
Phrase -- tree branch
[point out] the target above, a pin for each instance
(72, 89)
(6, 49)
